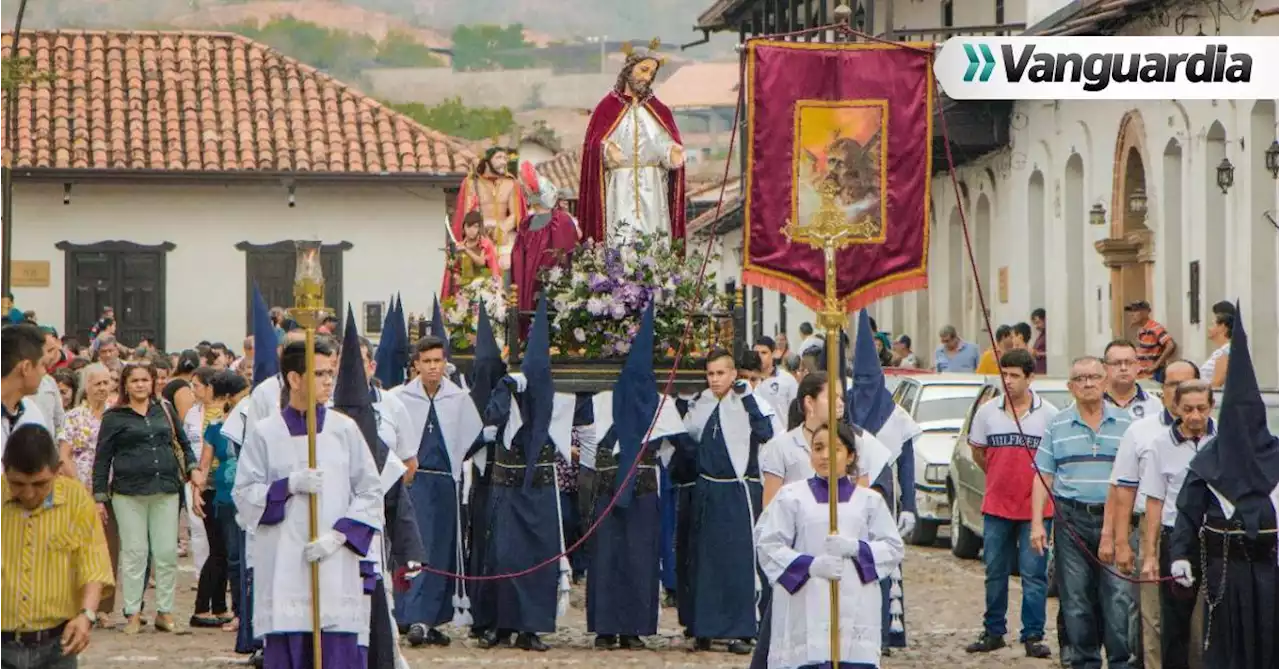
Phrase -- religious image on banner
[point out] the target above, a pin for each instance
(838, 166)
(838, 133)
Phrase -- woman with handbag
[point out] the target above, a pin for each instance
(142, 461)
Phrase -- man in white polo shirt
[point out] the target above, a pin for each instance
(1162, 477)
(1123, 390)
(1125, 504)
(21, 357)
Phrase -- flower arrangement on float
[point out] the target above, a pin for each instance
(462, 312)
(599, 299)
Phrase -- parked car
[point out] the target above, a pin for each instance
(938, 403)
(966, 483)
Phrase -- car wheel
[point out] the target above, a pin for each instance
(965, 544)
(925, 533)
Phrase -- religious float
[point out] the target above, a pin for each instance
(511, 241)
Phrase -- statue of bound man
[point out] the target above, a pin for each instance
(632, 177)
(492, 190)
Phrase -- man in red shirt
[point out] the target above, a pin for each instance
(1004, 447)
(1156, 346)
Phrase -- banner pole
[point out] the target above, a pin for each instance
(832, 319)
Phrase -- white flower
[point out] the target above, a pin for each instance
(554, 274)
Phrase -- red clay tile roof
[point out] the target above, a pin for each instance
(206, 102)
(563, 170)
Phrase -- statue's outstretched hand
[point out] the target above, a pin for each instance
(612, 155)
(677, 157)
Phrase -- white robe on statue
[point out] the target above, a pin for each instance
(636, 198)
(794, 525)
(352, 490)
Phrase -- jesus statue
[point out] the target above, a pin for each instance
(632, 178)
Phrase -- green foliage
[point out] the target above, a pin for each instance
(22, 70)
(458, 120)
(490, 47)
(340, 53)
(400, 49)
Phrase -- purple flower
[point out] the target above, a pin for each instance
(599, 283)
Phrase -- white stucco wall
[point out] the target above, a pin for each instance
(1047, 243)
(396, 236)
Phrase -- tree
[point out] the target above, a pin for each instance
(401, 49)
(490, 47)
(455, 119)
(342, 54)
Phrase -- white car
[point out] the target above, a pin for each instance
(938, 403)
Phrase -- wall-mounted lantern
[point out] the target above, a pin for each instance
(1226, 175)
(1138, 202)
(1097, 214)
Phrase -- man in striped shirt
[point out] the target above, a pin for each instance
(1075, 458)
(1155, 345)
(56, 564)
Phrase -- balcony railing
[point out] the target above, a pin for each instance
(937, 35)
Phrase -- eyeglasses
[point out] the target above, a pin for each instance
(1083, 378)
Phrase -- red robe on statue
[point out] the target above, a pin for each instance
(591, 200)
(468, 201)
(536, 249)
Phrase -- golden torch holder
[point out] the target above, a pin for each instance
(309, 312)
(830, 231)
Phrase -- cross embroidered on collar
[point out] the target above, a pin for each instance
(430, 427)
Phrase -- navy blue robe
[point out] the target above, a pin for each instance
(523, 529)
(434, 495)
(623, 576)
(480, 592)
(722, 569)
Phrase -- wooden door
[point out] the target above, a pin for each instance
(126, 276)
(271, 267)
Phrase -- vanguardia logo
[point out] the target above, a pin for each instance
(987, 62)
(1216, 64)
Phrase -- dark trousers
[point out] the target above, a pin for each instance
(1091, 596)
(571, 520)
(211, 591)
(232, 538)
(1177, 604)
(44, 656)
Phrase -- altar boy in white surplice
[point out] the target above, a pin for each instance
(272, 485)
(800, 558)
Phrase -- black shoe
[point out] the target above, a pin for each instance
(701, 643)
(1037, 648)
(631, 643)
(986, 643)
(475, 633)
(739, 647)
(437, 638)
(606, 642)
(530, 641)
(417, 635)
(492, 639)
(256, 660)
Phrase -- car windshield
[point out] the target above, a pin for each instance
(939, 402)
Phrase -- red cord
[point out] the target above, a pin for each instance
(986, 316)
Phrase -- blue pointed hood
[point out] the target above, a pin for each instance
(437, 327)
(867, 403)
(382, 355)
(488, 367)
(351, 392)
(538, 400)
(1242, 460)
(400, 352)
(266, 346)
(634, 404)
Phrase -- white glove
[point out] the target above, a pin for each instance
(841, 546)
(450, 369)
(906, 522)
(519, 380)
(306, 481)
(324, 546)
(489, 433)
(741, 387)
(1180, 570)
(827, 567)
(412, 569)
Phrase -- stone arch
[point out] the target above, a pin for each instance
(1129, 251)
(1170, 234)
(1263, 313)
(1070, 327)
(1037, 208)
(1213, 264)
(981, 233)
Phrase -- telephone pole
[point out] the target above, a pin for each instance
(10, 144)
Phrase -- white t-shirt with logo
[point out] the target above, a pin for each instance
(779, 391)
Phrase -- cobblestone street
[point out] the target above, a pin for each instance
(944, 599)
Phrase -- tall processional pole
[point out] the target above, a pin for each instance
(308, 310)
